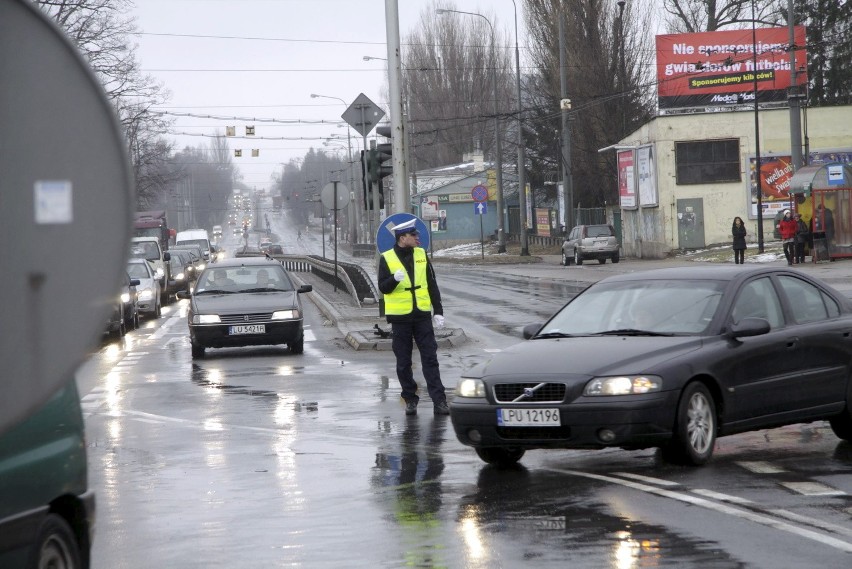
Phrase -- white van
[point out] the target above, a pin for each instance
(196, 237)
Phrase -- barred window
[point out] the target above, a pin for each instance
(703, 162)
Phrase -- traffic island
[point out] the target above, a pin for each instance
(381, 340)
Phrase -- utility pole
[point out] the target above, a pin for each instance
(567, 182)
(401, 190)
(793, 95)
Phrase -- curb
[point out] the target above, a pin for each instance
(360, 340)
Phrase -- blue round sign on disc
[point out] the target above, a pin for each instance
(385, 238)
(479, 193)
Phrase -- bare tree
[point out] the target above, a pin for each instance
(448, 80)
(102, 32)
(609, 84)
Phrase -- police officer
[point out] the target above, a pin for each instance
(407, 281)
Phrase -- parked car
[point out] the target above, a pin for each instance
(672, 358)
(125, 313)
(247, 301)
(148, 289)
(47, 510)
(590, 242)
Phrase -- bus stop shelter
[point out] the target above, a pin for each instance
(823, 196)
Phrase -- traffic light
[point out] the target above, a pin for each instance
(379, 155)
(368, 182)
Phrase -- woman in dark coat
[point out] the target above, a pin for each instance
(738, 231)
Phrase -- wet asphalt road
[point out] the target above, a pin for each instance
(259, 458)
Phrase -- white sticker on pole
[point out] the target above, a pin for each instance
(53, 202)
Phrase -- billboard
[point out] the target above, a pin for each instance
(718, 68)
(626, 182)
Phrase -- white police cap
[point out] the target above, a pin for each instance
(409, 226)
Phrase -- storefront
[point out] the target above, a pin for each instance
(823, 196)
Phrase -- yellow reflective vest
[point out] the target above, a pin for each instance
(401, 300)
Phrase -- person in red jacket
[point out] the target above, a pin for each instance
(788, 227)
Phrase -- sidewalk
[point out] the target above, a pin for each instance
(358, 324)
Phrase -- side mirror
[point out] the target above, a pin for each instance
(167, 256)
(305, 288)
(134, 282)
(749, 327)
(183, 295)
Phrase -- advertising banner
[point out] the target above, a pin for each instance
(647, 182)
(626, 183)
(718, 68)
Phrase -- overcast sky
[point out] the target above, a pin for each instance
(262, 59)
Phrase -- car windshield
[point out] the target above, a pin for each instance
(244, 279)
(598, 231)
(677, 307)
(138, 271)
(202, 243)
(145, 250)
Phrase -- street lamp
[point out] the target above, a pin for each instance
(522, 185)
(501, 234)
(354, 204)
(623, 82)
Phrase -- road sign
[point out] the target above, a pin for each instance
(429, 208)
(66, 179)
(363, 114)
(480, 208)
(328, 199)
(479, 193)
(385, 238)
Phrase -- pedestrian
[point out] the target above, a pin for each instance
(738, 231)
(787, 228)
(823, 222)
(407, 281)
(801, 238)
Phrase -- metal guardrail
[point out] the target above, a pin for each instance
(351, 277)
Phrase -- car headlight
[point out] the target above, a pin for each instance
(146, 294)
(159, 273)
(201, 266)
(285, 314)
(623, 385)
(125, 297)
(180, 277)
(470, 388)
(205, 319)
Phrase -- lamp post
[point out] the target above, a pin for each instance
(522, 185)
(622, 70)
(501, 233)
(353, 204)
(760, 247)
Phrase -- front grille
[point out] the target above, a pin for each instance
(534, 433)
(541, 392)
(245, 318)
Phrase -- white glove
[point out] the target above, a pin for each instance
(438, 320)
(399, 275)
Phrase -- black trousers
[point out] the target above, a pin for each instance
(800, 252)
(739, 256)
(405, 335)
(789, 251)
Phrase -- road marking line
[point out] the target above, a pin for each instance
(761, 467)
(755, 517)
(648, 479)
(812, 521)
(721, 497)
(171, 321)
(812, 489)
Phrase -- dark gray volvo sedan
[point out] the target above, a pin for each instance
(672, 358)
